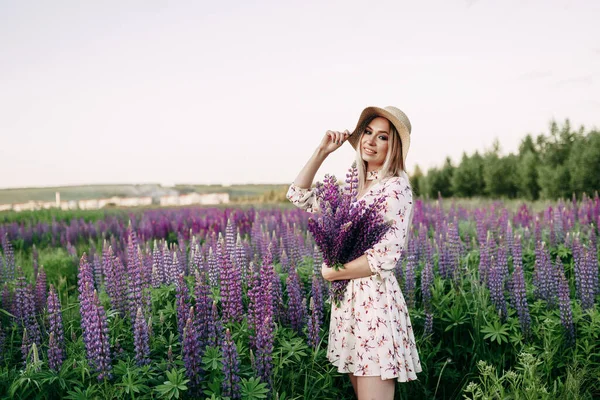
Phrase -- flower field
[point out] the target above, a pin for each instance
(229, 303)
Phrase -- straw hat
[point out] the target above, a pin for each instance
(395, 116)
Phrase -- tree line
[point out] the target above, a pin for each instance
(557, 165)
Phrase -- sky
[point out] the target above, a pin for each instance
(232, 92)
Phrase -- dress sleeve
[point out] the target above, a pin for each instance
(303, 198)
(384, 256)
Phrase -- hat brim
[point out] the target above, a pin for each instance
(381, 112)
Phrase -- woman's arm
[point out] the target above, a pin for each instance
(330, 142)
(358, 268)
(307, 174)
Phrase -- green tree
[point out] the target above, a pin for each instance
(415, 180)
(441, 180)
(584, 164)
(467, 180)
(554, 173)
(500, 173)
(527, 175)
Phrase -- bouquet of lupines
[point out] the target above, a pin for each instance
(346, 227)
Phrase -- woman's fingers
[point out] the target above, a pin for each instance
(335, 138)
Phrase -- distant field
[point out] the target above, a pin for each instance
(236, 192)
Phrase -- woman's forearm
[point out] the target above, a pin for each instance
(358, 268)
(308, 172)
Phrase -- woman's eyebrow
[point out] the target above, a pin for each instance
(369, 126)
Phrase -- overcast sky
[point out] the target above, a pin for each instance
(243, 91)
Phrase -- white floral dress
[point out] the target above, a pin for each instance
(370, 334)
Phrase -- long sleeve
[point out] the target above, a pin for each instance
(303, 198)
(384, 256)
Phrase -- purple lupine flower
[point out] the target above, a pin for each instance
(197, 259)
(97, 268)
(502, 262)
(510, 240)
(56, 354)
(158, 271)
(285, 262)
(586, 280)
(190, 348)
(96, 336)
(426, 287)
(167, 264)
(71, 250)
(496, 287)
(267, 305)
(36, 259)
(428, 329)
(7, 298)
(215, 327)
(454, 252)
(264, 350)
(543, 277)
(254, 293)
(295, 237)
(40, 291)
(426, 284)
(558, 223)
(138, 294)
(9, 259)
(484, 259)
(141, 339)
(256, 236)
(552, 271)
(25, 312)
(594, 237)
(230, 238)
(443, 256)
(518, 291)
(589, 279)
(593, 258)
(564, 304)
(231, 286)
(182, 256)
(279, 312)
(410, 279)
(94, 324)
(231, 368)
(183, 306)
(421, 250)
(296, 311)
(179, 266)
(241, 259)
(203, 307)
(115, 280)
(213, 268)
(316, 313)
(317, 263)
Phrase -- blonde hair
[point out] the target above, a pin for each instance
(393, 164)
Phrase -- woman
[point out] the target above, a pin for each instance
(370, 334)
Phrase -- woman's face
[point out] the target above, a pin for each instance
(374, 143)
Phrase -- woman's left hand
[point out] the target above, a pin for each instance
(327, 272)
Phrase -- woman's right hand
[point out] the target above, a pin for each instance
(333, 140)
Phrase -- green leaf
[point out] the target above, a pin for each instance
(496, 332)
(253, 388)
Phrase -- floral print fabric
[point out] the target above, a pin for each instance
(370, 334)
